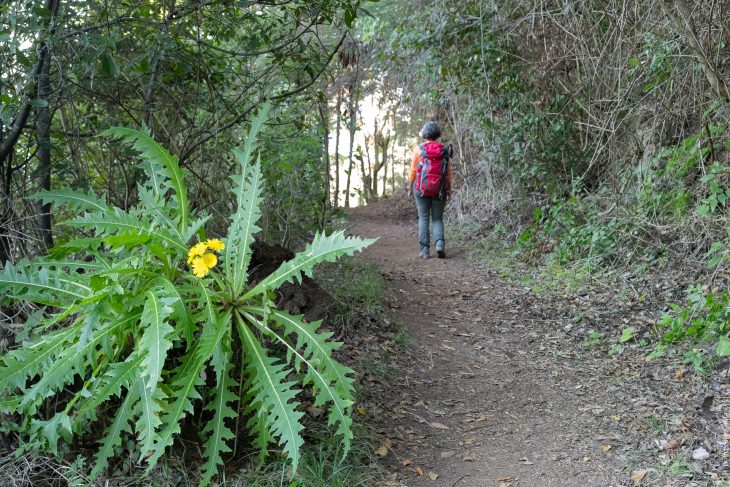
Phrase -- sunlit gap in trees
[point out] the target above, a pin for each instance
(375, 122)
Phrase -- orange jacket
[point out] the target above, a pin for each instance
(414, 170)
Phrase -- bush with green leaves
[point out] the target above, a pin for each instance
(133, 338)
(704, 323)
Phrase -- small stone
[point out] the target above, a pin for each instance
(700, 454)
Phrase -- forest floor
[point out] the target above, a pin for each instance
(497, 384)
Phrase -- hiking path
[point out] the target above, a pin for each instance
(491, 388)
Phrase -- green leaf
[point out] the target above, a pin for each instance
(118, 375)
(247, 188)
(72, 361)
(271, 395)
(322, 371)
(73, 200)
(150, 407)
(216, 428)
(187, 378)
(627, 334)
(155, 341)
(323, 248)
(121, 224)
(113, 437)
(723, 347)
(157, 156)
(32, 358)
(54, 288)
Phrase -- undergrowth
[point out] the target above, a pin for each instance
(358, 293)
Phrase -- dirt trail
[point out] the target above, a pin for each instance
(485, 394)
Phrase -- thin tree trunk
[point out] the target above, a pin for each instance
(337, 148)
(43, 130)
(366, 173)
(325, 119)
(352, 126)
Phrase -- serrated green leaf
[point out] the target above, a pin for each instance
(186, 380)
(54, 288)
(120, 224)
(158, 156)
(273, 396)
(155, 341)
(113, 436)
(216, 428)
(237, 254)
(33, 358)
(150, 407)
(247, 189)
(72, 362)
(74, 200)
(324, 248)
(118, 375)
(321, 370)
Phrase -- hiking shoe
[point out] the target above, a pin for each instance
(440, 249)
(424, 253)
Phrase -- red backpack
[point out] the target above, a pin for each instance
(431, 170)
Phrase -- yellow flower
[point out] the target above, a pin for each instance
(210, 260)
(203, 264)
(196, 251)
(215, 244)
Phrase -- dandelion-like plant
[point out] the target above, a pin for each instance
(135, 314)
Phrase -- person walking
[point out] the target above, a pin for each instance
(429, 183)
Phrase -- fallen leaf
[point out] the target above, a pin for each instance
(439, 426)
(586, 459)
(315, 411)
(679, 374)
(382, 450)
(616, 418)
(433, 475)
(469, 458)
(672, 444)
(638, 476)
(361, 411)
(419, 471)
(606, 448)
(406, 462)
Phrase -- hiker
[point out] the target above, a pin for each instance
(430, 185)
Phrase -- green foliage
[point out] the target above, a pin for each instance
(718, 194)
(358, 292)
(141, 343)
(578, 230)
(704, 324)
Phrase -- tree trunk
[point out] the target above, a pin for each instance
(366, 173)
(337, 148)
(43, 129)
(324, 115)
(352, 126)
